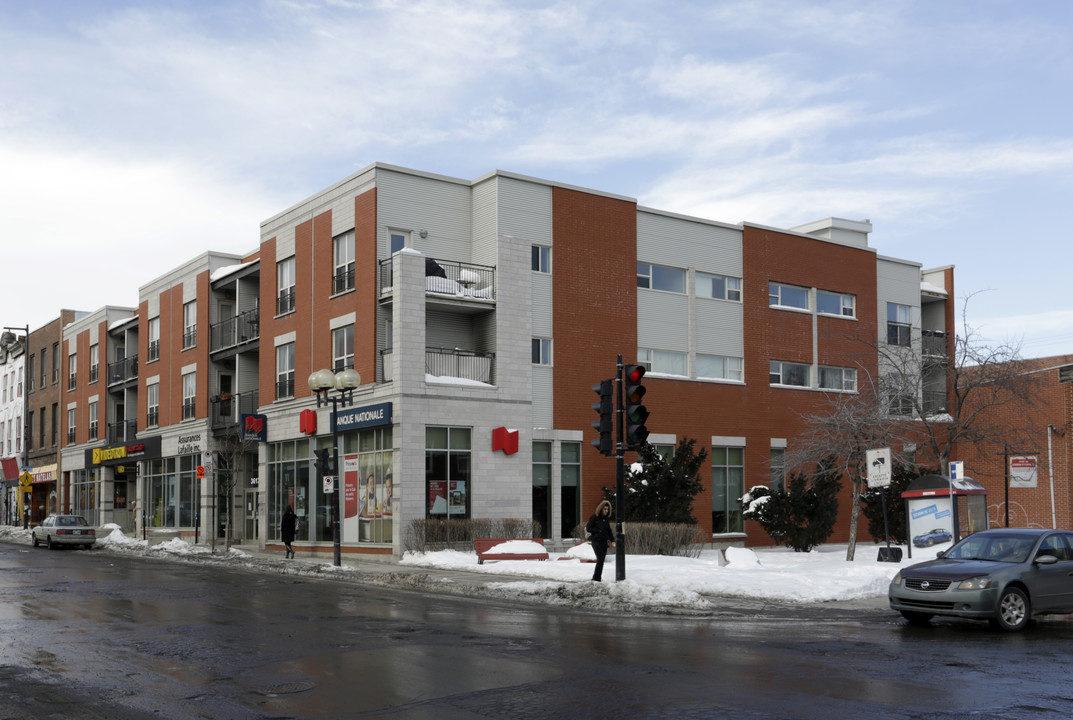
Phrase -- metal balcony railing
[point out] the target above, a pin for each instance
(464, 364)
(934, 402)
(225, 410)
(466, 281)
(154, 350)
(933, 343)
(242, 328)
(343, 279)
(123, 370)
(285, 301)
(122, 431)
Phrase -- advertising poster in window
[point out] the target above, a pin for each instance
(457, 498)
(349, 503)
(931, 521)
(437, 497)
(1024, 472)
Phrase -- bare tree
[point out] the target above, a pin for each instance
(922, 399)
(231, 448)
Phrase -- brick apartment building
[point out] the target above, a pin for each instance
(474, 311)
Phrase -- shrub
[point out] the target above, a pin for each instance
(428, 534)
(680, 539)
(801, 516)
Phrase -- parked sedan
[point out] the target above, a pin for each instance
(58, 530)
(1005, 576)
(938, 535)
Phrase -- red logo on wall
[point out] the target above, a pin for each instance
(505, 440)
(307, 422)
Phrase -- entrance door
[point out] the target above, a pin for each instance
(252, 514)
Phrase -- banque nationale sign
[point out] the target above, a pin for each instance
(368, 416)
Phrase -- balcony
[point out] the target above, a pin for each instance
(123, 370)
(933, 344)
(448, 280)
(462, 364)
(934, 402)
(226, 410)
(122, 431)
(235, 331)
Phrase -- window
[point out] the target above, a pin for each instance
(728, 485)
(285, 371)
(189, 395)
(154, 340)
(72, 371)
(171, 489)
(72, 419)
(541, 351)
(657, 277)
(190, 324)
(778, 469)
(541, 259)
(94, 362)
(30, 436)
(285, 284)
(719, 367)
(55, 424)
(398, 240)
(41, 426)
(92, 421)
(719, 287)
(899, 324)
(343, 248)
(447, 471)
(832, 303)
(570, 488)
(152, 403)
(31, 372)
(833, 378)
(542, 487)
(343, 348)
(666, 362)
(55, 363)
(788, 296)
(785, 373)
(18, 434)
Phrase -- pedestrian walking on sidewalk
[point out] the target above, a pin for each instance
(600, 535)
(287, 526)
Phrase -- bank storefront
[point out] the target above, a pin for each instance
(367, 501)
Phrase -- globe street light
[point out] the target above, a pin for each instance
(322, 382)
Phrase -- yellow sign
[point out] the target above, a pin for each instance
(26, 480)
(103, 454)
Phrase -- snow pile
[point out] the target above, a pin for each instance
(517, 547)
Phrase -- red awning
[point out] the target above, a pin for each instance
(11, 468)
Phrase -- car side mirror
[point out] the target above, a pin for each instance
(1046, 560)
(940, 553)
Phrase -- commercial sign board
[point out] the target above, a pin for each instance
(254, 428)
(1024, 472)
(145, 449)
(364, 417)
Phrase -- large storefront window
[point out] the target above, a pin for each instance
(447, 471)
(84, 495)
(542, 487)
(289, 486)
(171, 492)
(369, 488)
(570, 500)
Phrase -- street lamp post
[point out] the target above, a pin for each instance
(344, 382)
(7, 339)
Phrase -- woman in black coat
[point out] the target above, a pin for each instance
(601, 535)
(287, 527)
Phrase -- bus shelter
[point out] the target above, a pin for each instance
(939, 510)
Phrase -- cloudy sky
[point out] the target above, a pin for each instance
(137, 135)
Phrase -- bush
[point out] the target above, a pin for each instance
(680, 539)
(662, 491)
(429, 534)
(801, 516)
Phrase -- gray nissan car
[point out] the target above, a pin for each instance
(1005, 576)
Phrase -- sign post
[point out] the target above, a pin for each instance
(879, 477)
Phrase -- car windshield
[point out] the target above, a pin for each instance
(998, 548)
(70, 520)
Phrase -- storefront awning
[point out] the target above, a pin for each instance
(11, 469)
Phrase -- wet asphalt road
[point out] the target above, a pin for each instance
(99, 635)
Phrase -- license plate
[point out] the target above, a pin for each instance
(76, 532)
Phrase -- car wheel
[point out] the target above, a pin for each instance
(930, 542)
(1014, 609)
(916, 619)
(48, 542)
(33, 538)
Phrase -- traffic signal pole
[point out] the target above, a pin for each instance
(620, 476)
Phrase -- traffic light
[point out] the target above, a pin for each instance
(605, 408)
(324, 462)
(636, 434)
